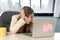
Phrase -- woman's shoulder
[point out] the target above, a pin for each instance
(16, 16)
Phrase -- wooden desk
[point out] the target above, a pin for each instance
(26, 37)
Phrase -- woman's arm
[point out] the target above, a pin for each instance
(16, 25)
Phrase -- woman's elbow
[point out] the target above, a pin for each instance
(12, 31)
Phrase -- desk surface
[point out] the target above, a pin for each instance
(26, 37)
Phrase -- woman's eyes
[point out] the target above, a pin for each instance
(31, 17)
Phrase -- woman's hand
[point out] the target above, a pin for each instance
(24, 17)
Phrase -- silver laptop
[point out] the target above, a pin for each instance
(43, 27)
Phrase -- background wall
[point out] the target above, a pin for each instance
(57, 8)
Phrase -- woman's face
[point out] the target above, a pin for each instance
(29, 19)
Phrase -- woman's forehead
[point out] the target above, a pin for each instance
(31, 15)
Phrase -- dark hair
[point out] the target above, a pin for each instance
(27, 11)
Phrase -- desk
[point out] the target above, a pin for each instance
(26, 37)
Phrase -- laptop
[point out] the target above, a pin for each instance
(44, 27)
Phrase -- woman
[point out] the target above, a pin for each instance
(23, 22)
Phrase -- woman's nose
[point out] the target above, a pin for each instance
(29, 19)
